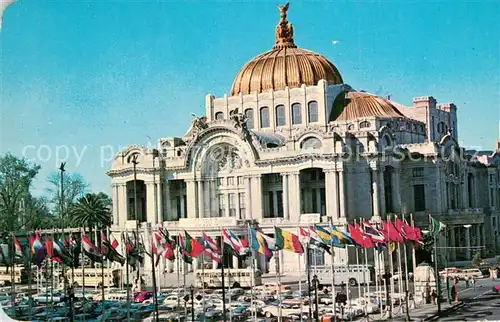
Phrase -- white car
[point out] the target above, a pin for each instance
(273, 310)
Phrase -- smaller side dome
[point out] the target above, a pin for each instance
(363, 105)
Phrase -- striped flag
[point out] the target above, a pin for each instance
(211, 248)
(234, 243)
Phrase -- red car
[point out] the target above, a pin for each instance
(143, 296)
(496, 289)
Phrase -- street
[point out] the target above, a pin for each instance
(481, 304)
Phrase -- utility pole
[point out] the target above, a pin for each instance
(438, 280)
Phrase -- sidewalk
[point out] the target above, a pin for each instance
(426, 312)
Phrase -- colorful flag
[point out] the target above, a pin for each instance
(367, 241)
(235, 244)
(316, 242)
(62, 253)
(436, 225)
(113, 241)
(37, 249)
(390, 232)
(192, 247)
(340, 239)
(18, 251)
(260, 243)
(376, 235)
(211, 248)
(91, 250)
(287, 240)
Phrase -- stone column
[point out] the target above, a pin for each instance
(465, 188)
(257, 197)
(150, 202)
(248, 197)
(294, 206)
(375, 193)
(342, 195)
(275, 203)
(453, 252)
(396, 190)
(191, 196)
(332, 197)
(238, 206)
(201, 199)
(286, 198)
(381, 188)
(439, 195)
(159, 202)
(214, 201)
(122, 204)
(182, 206)
(167, 203)
(228, 208)
(482, 239)
(115, 193)
(235, 262)
(467, 244)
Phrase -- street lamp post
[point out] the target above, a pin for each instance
(191, 289)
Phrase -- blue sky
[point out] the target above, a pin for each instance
(95, 76)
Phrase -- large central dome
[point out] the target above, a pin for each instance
(284, 66)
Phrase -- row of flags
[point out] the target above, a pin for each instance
(386, 234)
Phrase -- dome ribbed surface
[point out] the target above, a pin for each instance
(363, 105)
(284, 67)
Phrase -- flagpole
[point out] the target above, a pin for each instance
(30, 277)
(400, 269)
(300, 278)
(52, 276)
(278, 278)
(83, 266)
(12, 254)
(127, 273)
(179, 255)
(102, 271)
(155, 295)
(413, 253)
(383, 286)
(252, 266)
(357, 265)
(223, 277)
(436, 273)
(308, 268)
(203, 277)
(391, 263)
(332, 267)
(367, 285)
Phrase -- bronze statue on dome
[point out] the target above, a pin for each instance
(283, 10)
(284, 30)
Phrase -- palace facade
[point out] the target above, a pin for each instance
(292, 145)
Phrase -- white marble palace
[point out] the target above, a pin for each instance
(293, 144)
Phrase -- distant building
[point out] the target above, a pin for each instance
(293, 145)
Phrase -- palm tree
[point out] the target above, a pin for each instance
(91, 211)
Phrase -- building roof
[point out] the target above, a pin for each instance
(364, 105)
(284, 66)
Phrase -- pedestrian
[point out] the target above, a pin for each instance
(473, 281)
(434, 296)
(467, 282)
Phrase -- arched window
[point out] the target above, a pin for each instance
(264, 116)
(312, 111)
(364, 124)
(219, 116)
(280, 115)
(296, 113)
(249, 116)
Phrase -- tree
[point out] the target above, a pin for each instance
(91, 211)
(74, 186)
(37, 209)
(16, 177)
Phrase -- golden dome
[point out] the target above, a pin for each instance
(363, 105)
(284, 66)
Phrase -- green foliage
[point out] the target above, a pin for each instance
(16, 177)
(74, 186)
(476, 259)
(91, 211)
